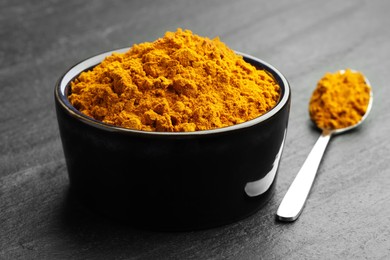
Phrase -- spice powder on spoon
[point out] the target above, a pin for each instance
(339, 100)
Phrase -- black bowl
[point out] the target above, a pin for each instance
(172, 181)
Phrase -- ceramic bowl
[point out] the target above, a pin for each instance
(176, 180)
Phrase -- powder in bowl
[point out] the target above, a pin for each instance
(179, 83)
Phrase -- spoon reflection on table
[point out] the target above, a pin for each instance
(294, 200)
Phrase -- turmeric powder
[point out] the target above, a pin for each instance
(339, 100)
(181, 82)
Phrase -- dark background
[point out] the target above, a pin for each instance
(347, 213)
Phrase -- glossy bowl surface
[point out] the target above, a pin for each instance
(172, 181)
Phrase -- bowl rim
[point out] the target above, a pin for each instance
(75, 70)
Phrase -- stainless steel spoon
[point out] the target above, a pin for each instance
(294, 200)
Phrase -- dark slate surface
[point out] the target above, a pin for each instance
(347, 214)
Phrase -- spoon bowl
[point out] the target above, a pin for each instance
(294, 200)
(345, 129)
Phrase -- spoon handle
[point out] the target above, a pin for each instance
(293, 202)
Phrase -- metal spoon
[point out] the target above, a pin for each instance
(294, 200)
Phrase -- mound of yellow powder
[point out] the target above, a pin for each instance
(181, 82)
(339, 100)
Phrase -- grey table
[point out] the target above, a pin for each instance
(347, 215)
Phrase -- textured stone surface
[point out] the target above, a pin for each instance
(347, 213)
